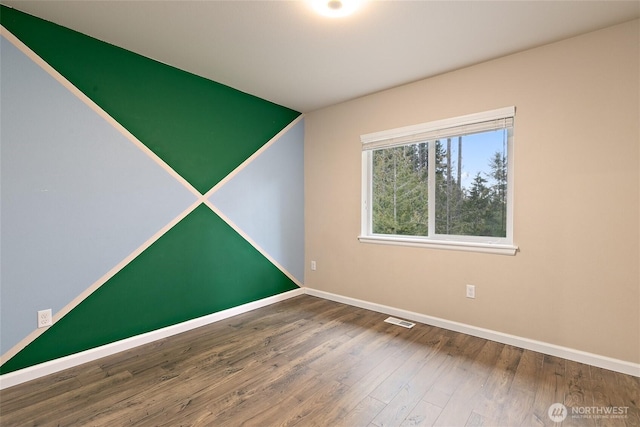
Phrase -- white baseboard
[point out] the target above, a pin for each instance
(56, 365)
(53, 366)
(617, 365)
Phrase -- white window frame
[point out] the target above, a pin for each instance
(430, 132)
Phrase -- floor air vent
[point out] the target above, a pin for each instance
(400, 322)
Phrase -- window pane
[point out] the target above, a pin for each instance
(471, 184)
(399, 204)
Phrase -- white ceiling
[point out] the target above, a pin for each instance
(283, 52)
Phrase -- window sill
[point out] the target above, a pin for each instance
(490, 248)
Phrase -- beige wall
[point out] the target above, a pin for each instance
(575, 281)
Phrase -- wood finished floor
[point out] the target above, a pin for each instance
(312, 362)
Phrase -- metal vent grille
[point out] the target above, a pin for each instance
(400, 322)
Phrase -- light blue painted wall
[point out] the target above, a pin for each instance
(266, 200)
(77, 196)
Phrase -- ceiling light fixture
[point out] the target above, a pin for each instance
(335, 8)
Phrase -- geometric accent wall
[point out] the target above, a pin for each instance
(264, 201)
(77, 196)
(202, 129)
(144, 197)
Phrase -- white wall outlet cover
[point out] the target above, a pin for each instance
(45, 318)
(471, 291)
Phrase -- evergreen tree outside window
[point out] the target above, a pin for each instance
(446, 184)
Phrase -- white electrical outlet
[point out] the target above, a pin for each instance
(313, 265)
(471, 291)
(45, 318)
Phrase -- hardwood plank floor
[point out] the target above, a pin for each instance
(311, 362)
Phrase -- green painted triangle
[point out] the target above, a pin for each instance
(200, 266)
(202, 129)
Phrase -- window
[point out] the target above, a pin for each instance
(445, 184)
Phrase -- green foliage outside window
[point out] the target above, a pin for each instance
(466, 205)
